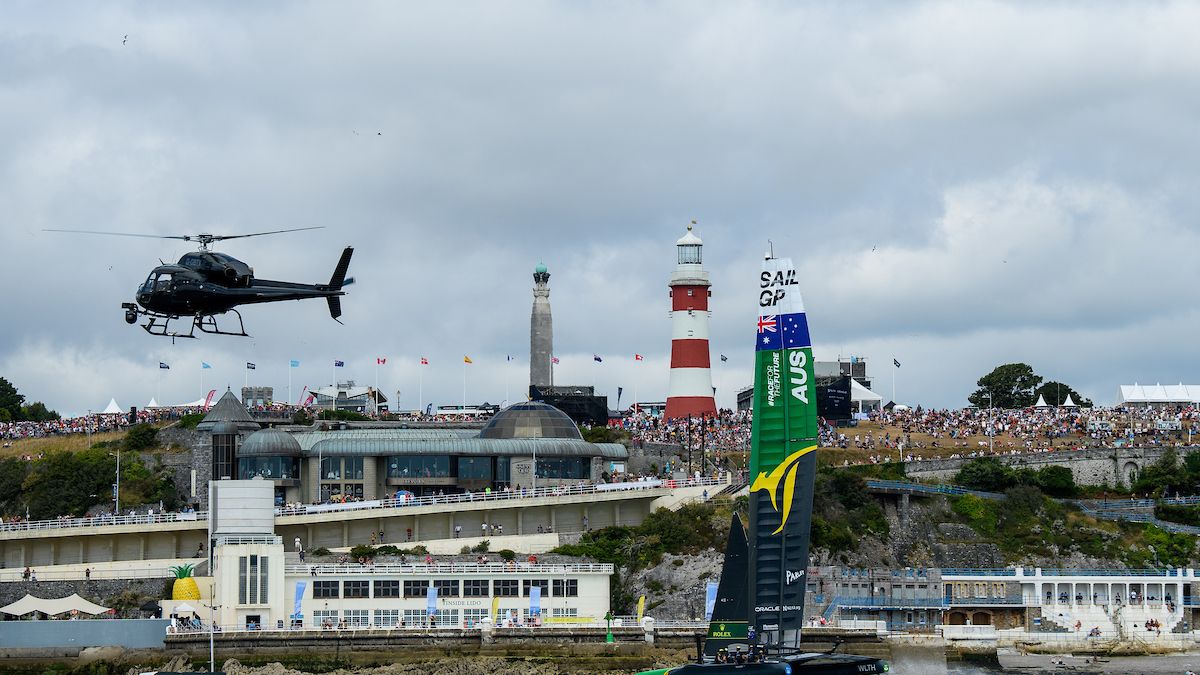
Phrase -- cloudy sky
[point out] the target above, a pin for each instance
(963, 184)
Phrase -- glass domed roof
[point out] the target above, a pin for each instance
(271, 442)
(531, 420)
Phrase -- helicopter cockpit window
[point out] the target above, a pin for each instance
(162, 282)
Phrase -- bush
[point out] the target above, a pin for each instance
(388, 549)
(1057, 481)
(320, 550)
(190, 420)
(987, 474)
(363, 551)
(507, 554)
(141, 437)
(1178, 513)
(481, 547)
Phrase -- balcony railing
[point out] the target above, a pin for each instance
(451, 568)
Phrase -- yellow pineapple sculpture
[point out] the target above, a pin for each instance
(185, 587)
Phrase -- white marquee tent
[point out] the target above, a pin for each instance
(1041, 402)
(52, 606)
(863, 399)
(113, 408)
(1158, 394)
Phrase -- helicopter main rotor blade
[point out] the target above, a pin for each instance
(123, 234)
(223, 237)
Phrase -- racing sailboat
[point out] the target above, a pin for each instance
(759, 612)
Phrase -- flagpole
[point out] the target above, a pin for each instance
(201, 382)
(289, 382)
(464, 406)
(894, 369)
(507, 374)
(420, 389)
(376, 386)
(635, 385)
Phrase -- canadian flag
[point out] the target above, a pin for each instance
(424, 361)
(638, 357)
(380, 360)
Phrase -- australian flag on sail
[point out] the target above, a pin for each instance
(783, 331)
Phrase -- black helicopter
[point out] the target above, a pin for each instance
(204, 284)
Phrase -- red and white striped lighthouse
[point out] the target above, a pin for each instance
(691, 390)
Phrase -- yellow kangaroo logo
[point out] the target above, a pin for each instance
(785, 472)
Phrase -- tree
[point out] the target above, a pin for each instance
(987, 474)
(10, 400)
(1010, 385)
(38, 412)
(1056, 393)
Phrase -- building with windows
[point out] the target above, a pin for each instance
(383, 460)
(256, 584)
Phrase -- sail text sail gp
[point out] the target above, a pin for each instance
(782, 457)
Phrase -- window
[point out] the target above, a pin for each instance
(505, 588)
(357, 618)
(326, 589)
(472, 617)
(544, 584)
(475, 468)
(475, 588)
(325, 618)
(418, 467)
(331, 468)
(415, 589)
(566, 588)
(387, 588)
(572, 612)
(564, 467)
(353, 467)
(252, 580)
(356, 588)
(387, 618)
(446, 588)
(689, 292)
(447, 618)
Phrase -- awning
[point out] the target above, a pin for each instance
(184, 608)
(52, 606)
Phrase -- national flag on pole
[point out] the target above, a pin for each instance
(897, 363)
(424, 361)
(295, 363)
(339, 364)
(250, 366)
(508, 358)
(554, 359)
(163, 366)
(597, 359)
(638, 357)
(724, 358)
(380, 360)
(204, 365)
(467, 359)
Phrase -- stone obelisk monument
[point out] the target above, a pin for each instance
(541, 331)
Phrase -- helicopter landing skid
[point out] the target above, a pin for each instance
(160, 324)
(207, 323)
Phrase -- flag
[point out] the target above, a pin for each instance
(597, 359)
(424, 361)
(897, 363)
(467, 359)
(250, 366)
(724, 358)
(553, 359)
(638, 357)
(163, 366)
(381, 360)
(204, 365)
(339, 364)
(295, 363)
(508, 358)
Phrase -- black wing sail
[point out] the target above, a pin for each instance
(731, 613)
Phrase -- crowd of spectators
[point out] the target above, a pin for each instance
(95, 423)
(728, 430)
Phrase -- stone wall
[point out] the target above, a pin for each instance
(100, 591)
(1096, 466)
(643, 455)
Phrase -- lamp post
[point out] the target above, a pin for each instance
(991, 426)
(117, 486)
